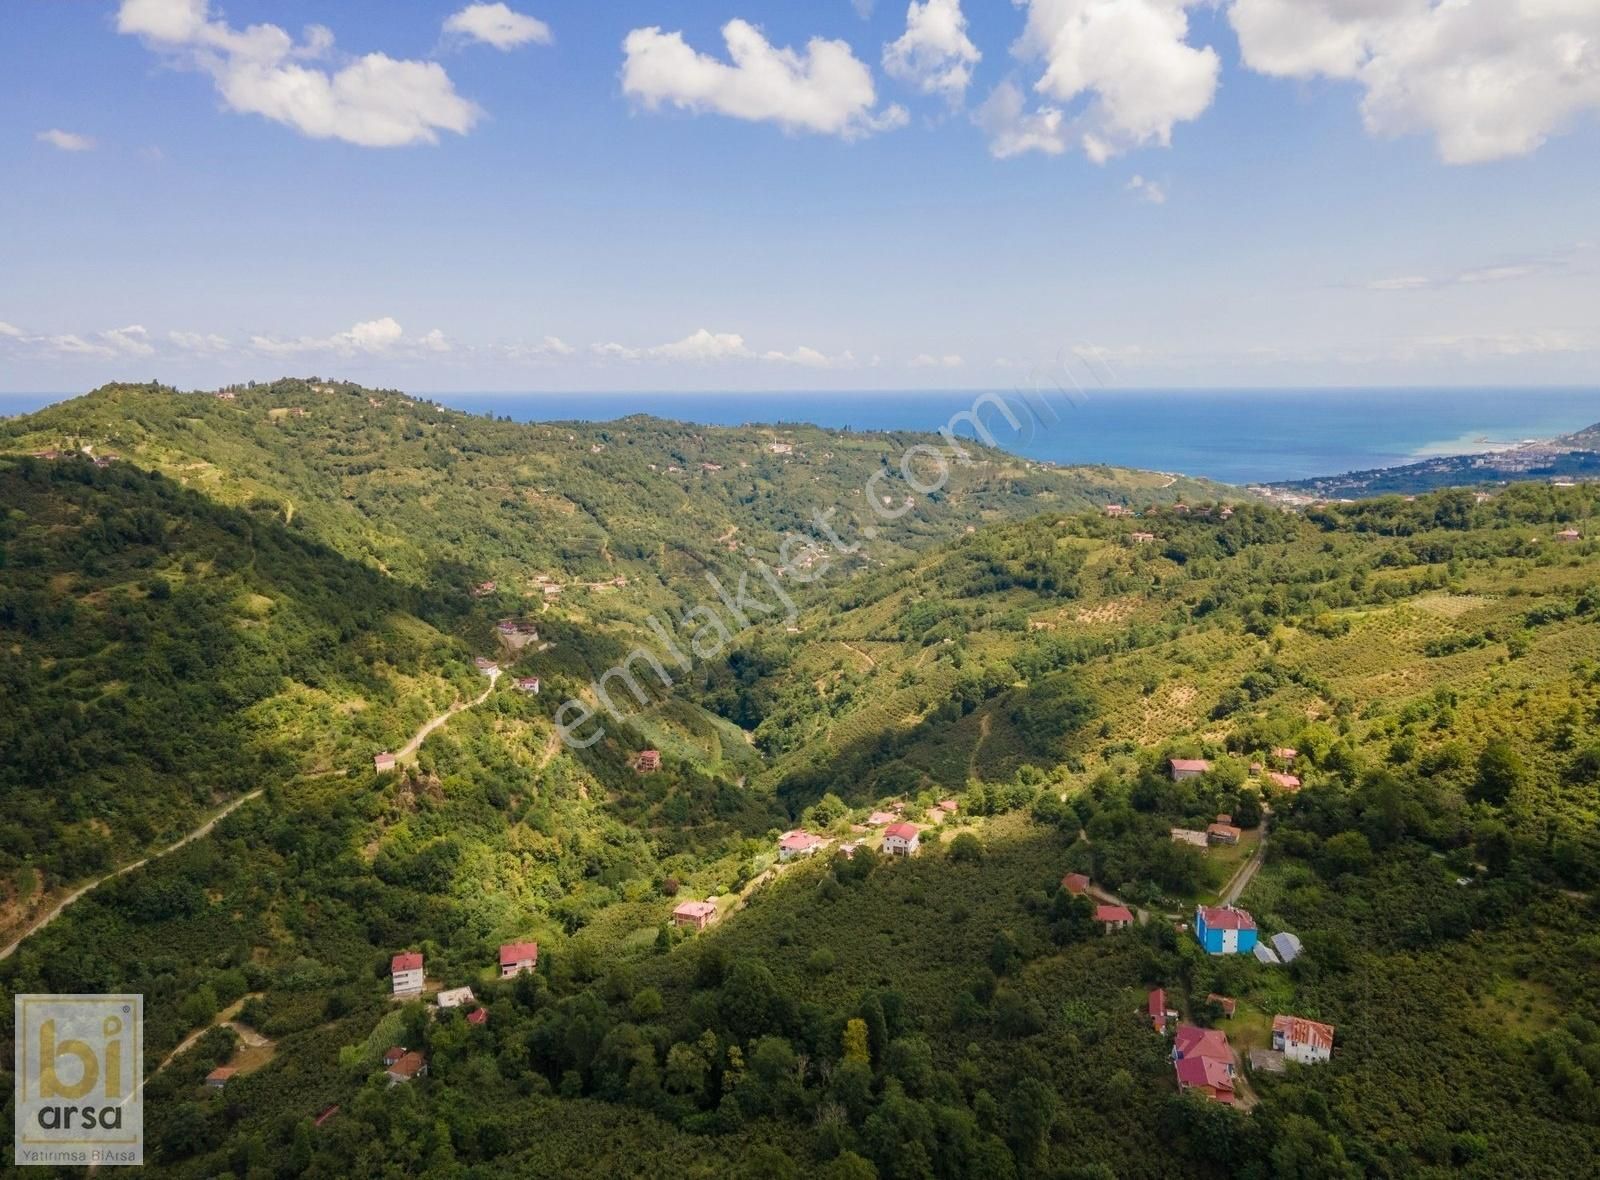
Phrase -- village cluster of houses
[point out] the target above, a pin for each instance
(408, 979)
(1204, 1062)
(1188, 768)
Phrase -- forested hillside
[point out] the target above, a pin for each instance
(301, 602)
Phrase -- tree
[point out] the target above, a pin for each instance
(1500, 772)
(966, 849)
(855, 1041)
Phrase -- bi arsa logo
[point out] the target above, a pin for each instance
(79, 1076)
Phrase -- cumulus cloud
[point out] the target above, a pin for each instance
(826, 89)
(1148, 190)
(10, 331)
(1132, 62)
(929, 361)
(133, 340)
(707, 347)
(1487, 79)
(497, 25)
(371, 101)
(67, 141)
(703, 346)
(1013, 130)
(934, 54)
(368, 337)
(198, 342)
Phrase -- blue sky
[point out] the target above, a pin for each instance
(591, 196)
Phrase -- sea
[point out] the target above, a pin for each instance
(1237, 437)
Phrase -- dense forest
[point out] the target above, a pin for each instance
(250, 599)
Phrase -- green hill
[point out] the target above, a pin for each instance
(303, 600)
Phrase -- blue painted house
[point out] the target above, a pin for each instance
(1224, 930)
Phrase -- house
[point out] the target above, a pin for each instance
(1202, 1059)
(455, 997)
(1481, 498)
(849, 849)
(1116, 510)
(1220, 833)
(412, 1065)
(487, 667)
(698, 914)
(1302, 1040)
(552, 591)
(483, 589)
(383, 763)
(1284, 782)
(1190, 836)
(1181, 509)
(392, 1054)
(647, 762)
(1286, 946)
(948, 806)
(798, 843)
(901, 839)
(1157, 1010)
(1227, 1003)
(1569, 535)
(221, 1076)
(1286, 754)
(1224, 930)
(226, 395)
(1116, 917)
(327, 1113)
(479, 1016)
(879, 818)
(1075, 883)
(517, 957)
(1142, 538)
(1183, 768)
(528, 684)
(406, 970)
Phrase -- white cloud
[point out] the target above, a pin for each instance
(497, 25)
(929, 361)
(67, 141)
(1012, 130)
(825, 90)
(10, 331)
(1131, 56)
(934, 54)
(1400, 283)
(371, 101)
(1505, 272)
(707, 347)
(1504, 344)
(703, 346)
(810, 358)
(133, 340)
(71, 345)
(198, 342)
(1148, 190)
(1486, 78)
(368, 337)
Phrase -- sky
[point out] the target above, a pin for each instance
(748, 195)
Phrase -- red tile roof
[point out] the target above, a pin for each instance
(1075, 883)
(393, 1053)
(1300, 1031)
(1112, 913)
(478, 1016)
(512, 953)
(1226, 917)
(798, 841)
(901, 831)
(695, 909)
(1205, 1071)
(1158, 1003)
(1194, 1041)
(409, 1065)
(1288, 782)
(405, 961)
(222, 1073)
(1226, 1003)
(1199, 765)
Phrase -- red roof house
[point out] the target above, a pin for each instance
(1302, 1040)
(1116, 917)
(383, 763)
(220, 1076)
(878, 818)
(1203, 1060)
(412, 1065)
(1158, 1010)
(1227, 1003)
(1221, 833)
(798, 843)
(698, 914)
(393, 1053)
(517, 957)
(1287, 782)
(648, 761)
(1183, 768)
(1075, 884)
(901, 839)
(478, 1016)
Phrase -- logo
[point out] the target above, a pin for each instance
(79, 1077)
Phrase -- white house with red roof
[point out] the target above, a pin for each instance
(879, 818)
(406, 971)
(1115, 917)
(412, 1065)
(901, 839)
(798, 843)
(1203, 1061)
(1183, 768)
(1306, 1041)
(698, 914)
(1284, 782)
(383, 763)
(528, 684)
(517, 957)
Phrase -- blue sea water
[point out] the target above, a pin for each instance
(1237, 437)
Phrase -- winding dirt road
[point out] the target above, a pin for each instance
(205, 829)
